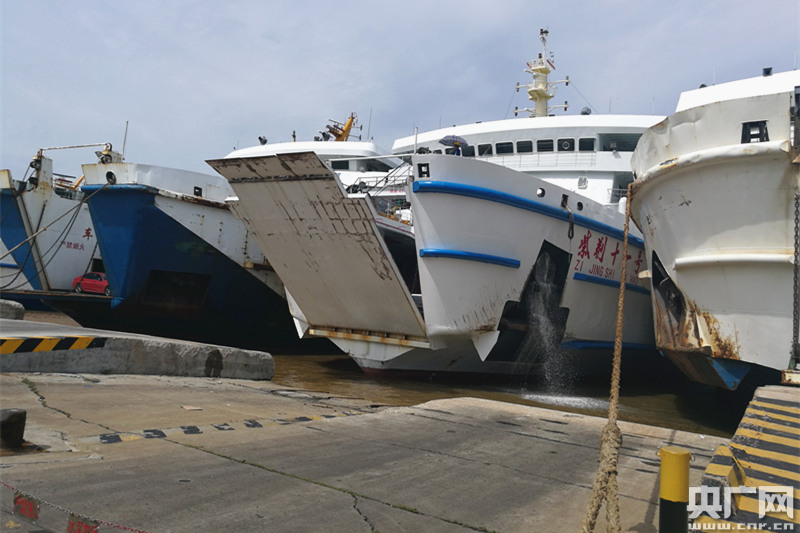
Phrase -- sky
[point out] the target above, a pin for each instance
(194, 79)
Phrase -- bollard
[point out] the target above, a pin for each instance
(673, 514)
(12, 428)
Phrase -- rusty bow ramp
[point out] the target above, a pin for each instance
(325, 247)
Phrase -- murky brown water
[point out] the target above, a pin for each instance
(654, 393)
(662, 398)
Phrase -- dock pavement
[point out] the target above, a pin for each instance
(207, 452)
(157, 453)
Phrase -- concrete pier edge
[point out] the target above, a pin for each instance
(40, 347)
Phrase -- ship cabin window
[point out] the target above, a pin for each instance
(620, 187)
(437, 151)
(340, 165)
(566, 145)
(618, 142)
(468, 151)
(524, 147)
(755, 132)
(376, 165)
(484, 149)
(586, 144)
(504, 148)
(544, 145)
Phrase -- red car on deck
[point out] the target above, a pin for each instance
(92, 282)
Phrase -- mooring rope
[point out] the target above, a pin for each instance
(605, 482)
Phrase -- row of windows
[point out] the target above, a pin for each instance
(525, 147)
(368, 165)
(623, 142)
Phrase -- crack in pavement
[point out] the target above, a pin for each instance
(322, 484)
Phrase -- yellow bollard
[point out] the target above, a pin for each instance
(673, 514)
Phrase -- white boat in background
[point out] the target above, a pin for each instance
(490, 241)
(716, 196)
(46, 227)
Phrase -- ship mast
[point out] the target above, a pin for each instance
(540, 90)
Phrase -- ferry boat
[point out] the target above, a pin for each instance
(46, 229)
(518, 232)
(716, 196)
(180, 264)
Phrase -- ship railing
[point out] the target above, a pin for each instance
(616, 194)
(67, 186)
(385, 197)
(542, 159)
(397, 178)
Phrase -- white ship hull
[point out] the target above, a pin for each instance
(344, 283)
(500, 256)
(718, 216)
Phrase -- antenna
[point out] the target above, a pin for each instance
(540, 90)
(124, 140)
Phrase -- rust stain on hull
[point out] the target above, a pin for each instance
(693, 332)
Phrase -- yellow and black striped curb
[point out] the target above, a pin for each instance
(162, 433)
(764, 452)
(9, 345)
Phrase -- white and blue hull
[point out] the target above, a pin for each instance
(504, 286)
(480, 303)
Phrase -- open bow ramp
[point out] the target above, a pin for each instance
(326, 248)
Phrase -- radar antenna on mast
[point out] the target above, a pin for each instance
(540, 90)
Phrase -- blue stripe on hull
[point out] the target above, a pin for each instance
(470, 256)
(12, 232)
(609, 282)
(492, 195)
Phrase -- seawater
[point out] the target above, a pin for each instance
(663, 397)
(653, 393)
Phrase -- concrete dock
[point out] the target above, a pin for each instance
(207, 454)
(174, 453)
(42, 347)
